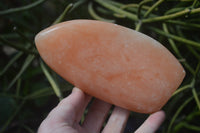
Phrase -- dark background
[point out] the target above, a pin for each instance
(26, 96)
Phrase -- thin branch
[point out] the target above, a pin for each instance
(116, 9)
(196, 98)
(140, 7)
(176, 50)
(27, 62)
(52, 82)
(11, 62)
(184, 24)
(96, 16)
(18, 47)
(171, 16)
(177, 113)
(63, 15)
(177, 38)
(23, 8)
(152, 8)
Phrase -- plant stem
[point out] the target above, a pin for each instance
(181, 89)
(185, 125)
(103, 10)
(78, 3)
(152, 8)
(177, 113)
(192, 127)
(172, 16)
(194, 3)
(190, 48)
(133, 6)
(197, 70)
(181, 0)
(138, 26)
(192, 115)
(23, 36)
(119, 15)
(40, 93)
(62, 16)
(184, 24)
(18, 47)
(117, 4)
(193, 51)
(23, 8)
(51, 81)
(96, 16)
(130, 7)
(196, 97)
(174, 10)
(191, 85)
(27, 62)
(69, 8)
(11, 62)
(177, 38)
(173, 45)
(140, 7)
(117, 10)
(19, 81)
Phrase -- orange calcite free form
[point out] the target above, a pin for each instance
(113, 63)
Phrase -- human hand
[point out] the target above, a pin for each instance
(66, 116)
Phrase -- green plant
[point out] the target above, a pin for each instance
(29, 89)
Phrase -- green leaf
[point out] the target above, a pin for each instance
(63, 15)
(23, 8)
(196, 97)
(96, 16)
(27, 62)
(40, 93)
(117, 10)
(10, 63)
(177, 113)
(51, 81)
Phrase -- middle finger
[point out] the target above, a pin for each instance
(96, 116)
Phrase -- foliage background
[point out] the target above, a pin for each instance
(29, 89)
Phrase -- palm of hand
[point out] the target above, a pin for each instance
(66, 116)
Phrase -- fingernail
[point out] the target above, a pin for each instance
(75, 89)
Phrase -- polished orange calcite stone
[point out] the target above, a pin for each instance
(113, 63)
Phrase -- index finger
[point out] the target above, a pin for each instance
(71, 108)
